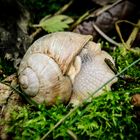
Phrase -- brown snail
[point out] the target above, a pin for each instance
(64, 66)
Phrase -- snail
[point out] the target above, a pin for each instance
(65, 67)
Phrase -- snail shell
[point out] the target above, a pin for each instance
(63, 66)
(42, 72)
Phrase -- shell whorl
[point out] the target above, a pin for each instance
(43, 74)
(61, 46)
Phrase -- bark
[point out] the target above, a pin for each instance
(14, 39)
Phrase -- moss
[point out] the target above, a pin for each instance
(109, 116)
(131, 78)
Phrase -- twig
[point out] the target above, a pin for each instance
(64, 8)
(126, 21)
(34, 34)
(103, 9)
(120, 35)
(79, 20)
(104, 35)
(74, 137)
(133, 35)
(76, 107)
(100, 11)
(94, 14)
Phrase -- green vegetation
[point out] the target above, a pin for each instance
(55, 23)
(108, 117)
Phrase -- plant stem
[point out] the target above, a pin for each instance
(73, 136)
(79, 20)
(94, 14)
(134, 32)
(37, 31)
(105, 36)
(119, 33)
(107, 7)
(64, 8)
(133, 35)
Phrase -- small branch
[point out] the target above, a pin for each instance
(107, 7)
(119, 33)
(34, 34)
(96, 13)
(64, 8)
(133, 35)
(73, 136)
(104, 35)
(35, 25)
(131, 38)
(79, 20)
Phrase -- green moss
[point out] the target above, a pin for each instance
(109, 116)
(131, 78)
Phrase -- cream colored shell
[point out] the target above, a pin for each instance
(63, 66)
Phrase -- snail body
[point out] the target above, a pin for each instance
(93, 74)
(63, 66)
